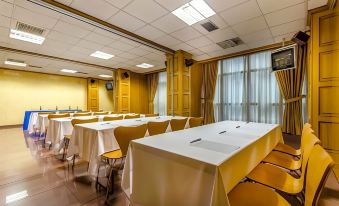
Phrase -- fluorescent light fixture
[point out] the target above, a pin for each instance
(24, 36)
(194, 12)
(145, 65)
(68, 71)
(16, 196)
(15, 63)
(101, 55)
(105, 76)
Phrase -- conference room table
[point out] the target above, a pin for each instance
(59, 127)
(91, 140)
(195, 166)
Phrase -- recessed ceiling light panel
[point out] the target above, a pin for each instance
(194, 12)
(101, 55)
(145, 65)
(24, 36)
(105, 76)
(15, 63)
(68, 71)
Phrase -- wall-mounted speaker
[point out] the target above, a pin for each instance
(124, 75)
(300, 38)
(189, 62)
(92, 81)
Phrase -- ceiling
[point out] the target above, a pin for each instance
(256, 22)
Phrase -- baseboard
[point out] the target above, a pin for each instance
(10, 126)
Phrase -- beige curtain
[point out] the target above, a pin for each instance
(152, 82)
(209, 81)
(291, 84)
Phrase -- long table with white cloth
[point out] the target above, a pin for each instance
(196, 166)
(91, 140)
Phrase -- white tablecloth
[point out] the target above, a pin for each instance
(93, 139)
(169, 170)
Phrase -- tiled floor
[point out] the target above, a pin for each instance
(38, 178)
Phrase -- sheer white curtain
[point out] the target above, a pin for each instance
(247, 90)
(160, 99)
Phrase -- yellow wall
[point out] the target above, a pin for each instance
(105, 97)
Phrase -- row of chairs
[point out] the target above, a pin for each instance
(287, 172)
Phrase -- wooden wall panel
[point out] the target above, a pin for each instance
(93, 95)
(328, 130)
(139, 93)
(196, 83)
(328, 65)
(327, 106)
(328, 34)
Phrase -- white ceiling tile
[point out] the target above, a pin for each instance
(37, 9)
(128, 55)
(221, 35)
(126, 21)
(260, 43)
(210, 48)
(169, 23)
(298, 25)
(146, 10)
(76, 22)
(286, 15)
(98, 8)
(241, 12)
(182, 46)
(130, 42)
(250, 26)
(172, 5)
(119, 3)
(156, 57)
(5, 21)
(199, 42)
(312, 4)
(257, 36)
(287, 37)
(81, 51)
(218, 53)
(22, 45)
(196, 52)
(268, 6)
(149, 32)
(55, 45)
(201, 57)
(97, 38)
(186, 34)
(65, 2)
(6, 8)
(70, 29)
(55, 35)
(220, 5)
(167, 40)
(139, 51)
(89, 45)
(33, 18)
(120, 46)
(106, 33)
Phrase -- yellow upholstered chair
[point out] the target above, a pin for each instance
(151, 115)
(55, 116)
(113, 118)
(284, 148)
(46, 113)
(287, 161)
(100, 113)
(155, 128)
(279, 179)
(178, 124)
(78, 114)
(68, 137)
(248, 194)
(319, 165)
(132, 116)
(196, 121)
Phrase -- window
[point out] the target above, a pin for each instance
(247, 90)
(160, 99)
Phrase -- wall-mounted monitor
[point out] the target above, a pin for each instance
(109, 86)
(284, 58)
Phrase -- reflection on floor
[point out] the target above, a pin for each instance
(29, 177)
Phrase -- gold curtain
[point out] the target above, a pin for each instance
(152, 82)
(209, 81)
(291, 84)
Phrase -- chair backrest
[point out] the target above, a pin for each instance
(196, 121)
(107, 118)
(178, 124)
(79, 114)
(83, 121)
(124, 135)
(55, 116)
(319, 165)
(100, 113)
(132, 116)
(46, 113)
(155, 128)
(151, 115)
(310, 141)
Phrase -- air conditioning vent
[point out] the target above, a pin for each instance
(29, 29)
(209, 26)
(82, 73)
(230, 43)
(33, 66)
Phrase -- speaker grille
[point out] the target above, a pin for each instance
(29, 29)
(209, 26)
(230, 43)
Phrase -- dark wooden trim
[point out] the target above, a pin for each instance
(127, 34)
(10, 126)
(155, 71)
(247, 52)
(316, 10)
